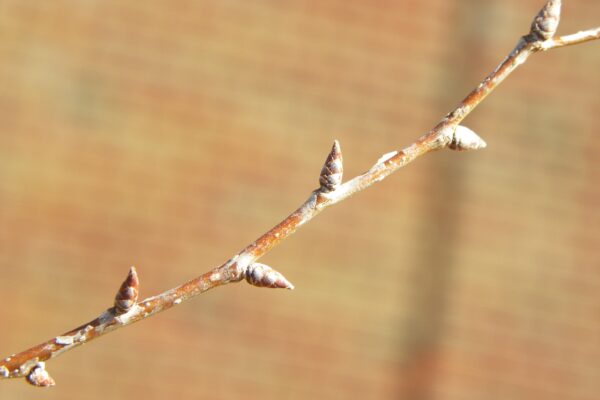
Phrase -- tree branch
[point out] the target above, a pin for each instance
(570, 40)
(446, 134)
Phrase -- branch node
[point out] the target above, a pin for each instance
(127, 295)
(262, 275)
(38, 376)
(464, 138)
(545, 23)
(333, 169)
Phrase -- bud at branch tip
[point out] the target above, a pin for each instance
(333, 169)
(127, 295)
(545, 23)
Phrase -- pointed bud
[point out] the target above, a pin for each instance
(38, 376)
(465, 139)
(262, 275)
(128, 293)
(545, 23)
(333, 169)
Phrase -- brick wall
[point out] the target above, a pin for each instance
(168, 135)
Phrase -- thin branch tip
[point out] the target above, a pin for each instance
(572, 39)
(333, 169)
(128, 293)
(262, 275)
(545, 23)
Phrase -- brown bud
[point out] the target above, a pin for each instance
(333, 169)
(262, 275)
(38, 376)
(465, 139)
(128, 293)
(545, 23)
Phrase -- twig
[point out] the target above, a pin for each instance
(446, 134)
(570, 40)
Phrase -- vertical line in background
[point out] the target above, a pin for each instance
(430, 279)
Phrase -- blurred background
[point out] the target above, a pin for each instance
(169, 135)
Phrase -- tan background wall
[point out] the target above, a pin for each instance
(168, 135)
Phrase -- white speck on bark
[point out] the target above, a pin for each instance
(64, 340)
(386, 157)
(124, 318)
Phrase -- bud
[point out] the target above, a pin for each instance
(38, 376)
(465, 139)
(545, 23)
(333, 169)
(262, 275)
(127, 295)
